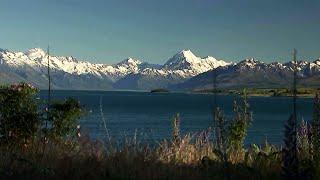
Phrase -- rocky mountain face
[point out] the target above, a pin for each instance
(183, 71)
(177, 69)
(70, 73)
(254, 73)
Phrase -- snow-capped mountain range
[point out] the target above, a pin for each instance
(184, 70)
(37, 59)
(31, 66)
(254, 73)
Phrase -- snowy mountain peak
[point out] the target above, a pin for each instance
(35, 53)
(129, 62)
(128, 65)
(299, 64)
(31, 66)
(182, 60)
(214, 63)
(249, 62)
(317, 62)
(132, 61)
(71, 59)
(185, 60)
(187, 54)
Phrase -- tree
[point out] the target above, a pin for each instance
(239, 125)
(19, 117)
(64, 117)
(290, 158)
(230, 135)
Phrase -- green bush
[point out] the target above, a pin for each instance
(237, 129)
(64, 118)
(19, 117)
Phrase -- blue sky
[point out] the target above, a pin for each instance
(108, 31)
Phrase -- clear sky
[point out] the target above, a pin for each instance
(108, 31)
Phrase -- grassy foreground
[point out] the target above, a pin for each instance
(191, 157)
(39, 142)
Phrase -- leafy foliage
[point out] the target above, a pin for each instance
(64, 117)
(184, 156)
(220, 129)
(19, 116)
(304, 144)
(290, 159)
(238, 127)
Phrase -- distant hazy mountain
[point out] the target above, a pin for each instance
(253, 73)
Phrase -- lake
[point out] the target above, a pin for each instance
(149, 115)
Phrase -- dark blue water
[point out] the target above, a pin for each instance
(149, 115)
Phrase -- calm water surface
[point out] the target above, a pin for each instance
(149, 115)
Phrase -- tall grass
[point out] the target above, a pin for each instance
(189, 156)
(215, 153)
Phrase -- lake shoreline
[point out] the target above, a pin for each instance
(268, 92)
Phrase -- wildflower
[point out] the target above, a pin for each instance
(78, 131)
(46, 140)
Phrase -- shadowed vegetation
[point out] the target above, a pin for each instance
(30, 149)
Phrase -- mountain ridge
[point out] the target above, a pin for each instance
(182, 71)
(31, 66)
(252, 73)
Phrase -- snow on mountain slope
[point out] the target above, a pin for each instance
(37, 59)
(187, 62)
(184, 64)
(180, 67)
(129, 65)
(253, 73)
(31, 66)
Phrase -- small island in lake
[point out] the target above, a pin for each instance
(159, 90)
